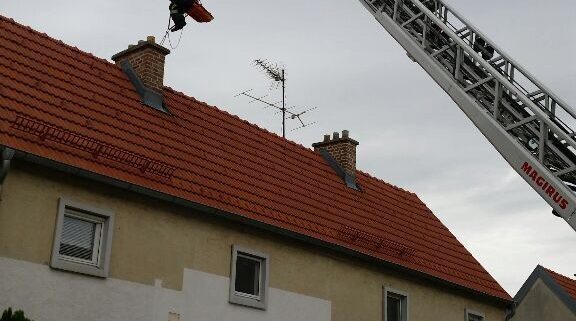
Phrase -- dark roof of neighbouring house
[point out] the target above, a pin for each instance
(562, 286)
(67, 106)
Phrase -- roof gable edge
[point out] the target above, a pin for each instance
(541, 273)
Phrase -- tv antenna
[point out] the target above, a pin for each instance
(278, 76)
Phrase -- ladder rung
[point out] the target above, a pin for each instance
(565, 171)
(461, 30)
(497, 59)
(539, 99)
(520, 123)
(412, 19)
(498, 65)
(480, 83)
(465, 35)
(534, 93)
(498, 62)
(441, 50)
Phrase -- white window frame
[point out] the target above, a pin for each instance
(475, 313)
(259, 301)
(405, 303)
(104, 220)
(99, 223)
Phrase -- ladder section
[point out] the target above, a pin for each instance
(530, 126)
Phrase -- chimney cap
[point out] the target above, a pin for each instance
(142, 44)
(335, 138)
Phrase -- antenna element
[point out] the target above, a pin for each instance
(278, 76)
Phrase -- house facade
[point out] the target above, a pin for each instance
(546, 295)
(122, 199)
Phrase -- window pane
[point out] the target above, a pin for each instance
(394, 308)
(473, 317)
(77, 238)
(247, 275)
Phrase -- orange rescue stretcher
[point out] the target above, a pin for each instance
(199, 13)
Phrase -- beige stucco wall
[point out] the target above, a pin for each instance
(542, 304)
(157, 240)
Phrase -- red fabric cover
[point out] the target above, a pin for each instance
(199, 13)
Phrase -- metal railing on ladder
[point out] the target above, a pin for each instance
(528, 124)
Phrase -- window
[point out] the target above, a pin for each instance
(249, 278)
(82, 240)
(395, 305)
(474, 316)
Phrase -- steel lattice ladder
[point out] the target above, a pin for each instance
(529, 125)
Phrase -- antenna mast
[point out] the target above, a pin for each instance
(283, 105)
(278, 76)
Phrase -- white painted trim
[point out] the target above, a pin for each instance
(107, 217)
(260, 301)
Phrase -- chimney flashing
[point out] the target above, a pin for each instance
(147, 59)
(340, 153)
(348, 178)
(149, 97)
(143, 63)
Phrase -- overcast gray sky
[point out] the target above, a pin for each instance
(339, 59)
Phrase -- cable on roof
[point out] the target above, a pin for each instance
(167, 35)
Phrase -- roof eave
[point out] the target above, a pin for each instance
(35, 159)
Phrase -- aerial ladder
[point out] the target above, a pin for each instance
(529, 125)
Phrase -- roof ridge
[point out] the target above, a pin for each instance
(567, 278)
(307, 150)
(310, 154)
(54, 40)
(370, 176)
(227, 113)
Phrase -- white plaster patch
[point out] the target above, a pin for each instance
(207, 300)
(49, 295)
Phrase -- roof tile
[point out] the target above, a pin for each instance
(566, 283)
(218, 159)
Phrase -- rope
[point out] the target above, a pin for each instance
(167, 35)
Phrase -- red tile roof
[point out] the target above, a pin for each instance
(65, 105)
(566, 283)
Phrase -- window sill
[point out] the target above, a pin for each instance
(64, 265)
(246, 301)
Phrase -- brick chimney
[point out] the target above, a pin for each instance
(147, 59)
(342, 149)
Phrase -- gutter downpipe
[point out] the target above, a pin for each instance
(5, 158)
(511, 312)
